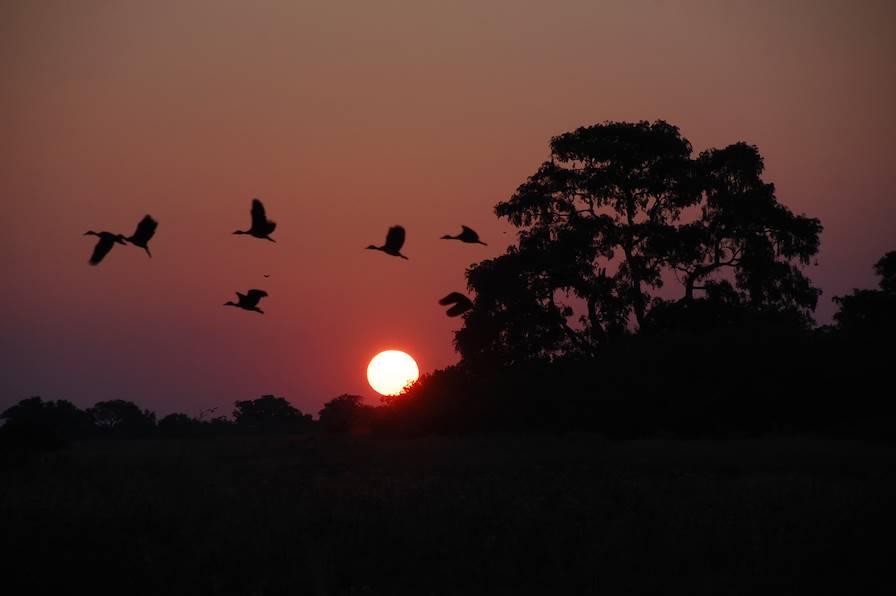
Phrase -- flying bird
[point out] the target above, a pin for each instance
(106, 241)
(144, 232)
(461, 304)
(249, 300)
(394, 242)
(262, 227)
(467, 235)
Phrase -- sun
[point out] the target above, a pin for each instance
(391, 371)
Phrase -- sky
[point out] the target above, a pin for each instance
(346, 118)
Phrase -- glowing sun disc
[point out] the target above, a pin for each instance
(391, 371)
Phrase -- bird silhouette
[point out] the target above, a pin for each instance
(144, 232)
(106, 241)
(394, 242)
(467, 235)
(249, 300)
(461, 304)
(262, 227)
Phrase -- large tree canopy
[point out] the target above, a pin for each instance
(618, 210)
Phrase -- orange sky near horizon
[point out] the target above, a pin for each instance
(346, 118)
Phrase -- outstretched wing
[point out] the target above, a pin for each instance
(452, 298)
(101, 249)
(461, 304)
(253, 296)
(260, 219)
(395, 238)
(145, 230)
(458, 309)
(469, 235)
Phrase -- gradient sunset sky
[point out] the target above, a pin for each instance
(346, 118)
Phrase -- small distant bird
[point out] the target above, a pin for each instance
(461, 304)
(262, 227)
(267, 274)
(249, 300)
(144, 232)
(394, 242)
(106, 241)
(467, 235)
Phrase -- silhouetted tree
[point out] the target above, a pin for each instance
(871, 313)
(345, 414)
(515, 318)
(886, 269)
(618, 210)
(47, 424)
(443, 400)
(608, 189)
(743, 229)
(269, 414)
(178, 425)
(122, 418)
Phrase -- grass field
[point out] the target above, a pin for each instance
(497, 515)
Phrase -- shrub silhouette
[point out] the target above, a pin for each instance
(871, 313)
(345, 414)
(269, 414)
(123, 419)
(34, 422)
(178, 424)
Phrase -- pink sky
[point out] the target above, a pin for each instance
(346, 118)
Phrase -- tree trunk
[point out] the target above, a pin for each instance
(597, 331)
(638, 296)
(689, 288)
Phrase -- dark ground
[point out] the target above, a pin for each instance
(547, 514)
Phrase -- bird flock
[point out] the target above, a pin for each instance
(262, 228)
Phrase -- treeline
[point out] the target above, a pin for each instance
(35, 422)
(710, 370)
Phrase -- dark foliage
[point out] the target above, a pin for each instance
(345, 414)
(871, 314)
(711, 366)
(122, 418)
(43, 424)
(34, 423)
(270, 415)
(178, 425)
(725, 382)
